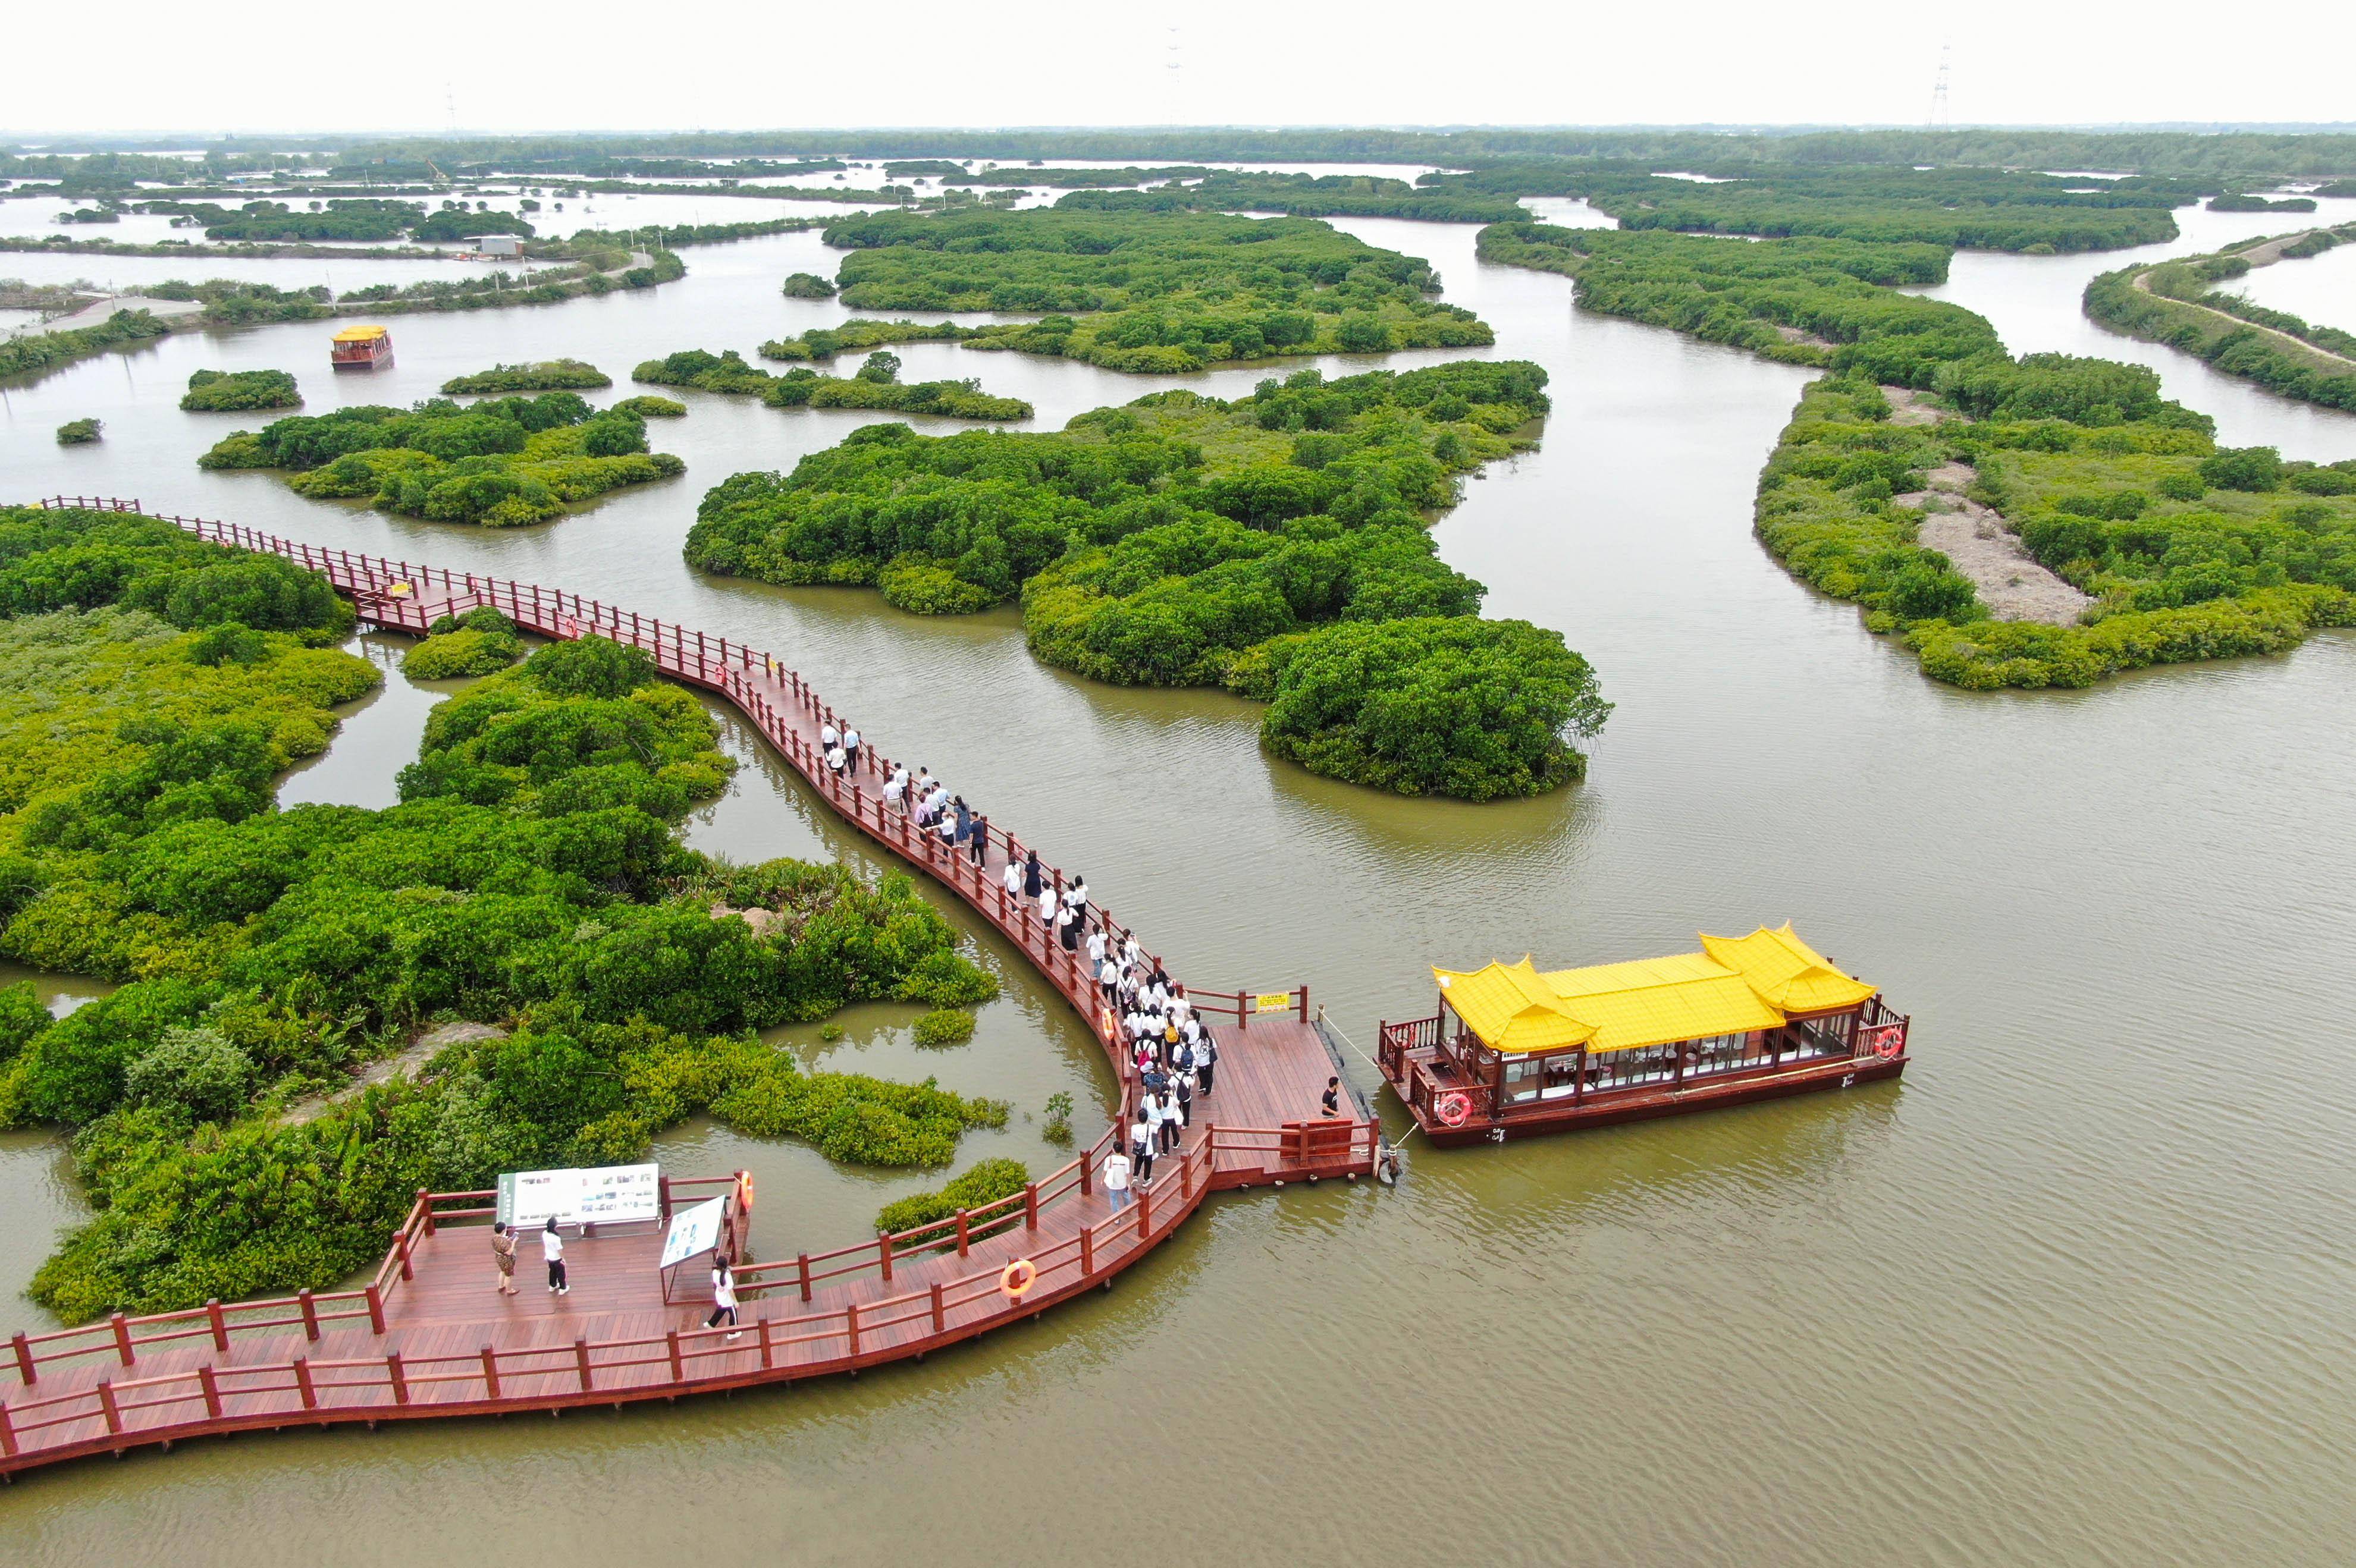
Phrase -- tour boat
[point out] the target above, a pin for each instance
(363, 348)
(1513, 1051)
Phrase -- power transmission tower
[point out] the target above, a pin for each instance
(1939, 89)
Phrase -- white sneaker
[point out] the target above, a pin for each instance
(739, 1334)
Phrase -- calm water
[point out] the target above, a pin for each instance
(2076, 1293)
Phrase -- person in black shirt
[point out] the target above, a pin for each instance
(1331, 1099)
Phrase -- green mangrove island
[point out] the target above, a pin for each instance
(2178, 302)
(501, 462)
(877, 384)
(1275, 545)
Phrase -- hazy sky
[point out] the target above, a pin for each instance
(277, 65)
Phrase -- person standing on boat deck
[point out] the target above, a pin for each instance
(723, 1296)
(1206, 1058)
(551, 1247)
(851, 746)
(1332, 1098)
(503, 1254)
(1140, 1147)
(1116, 1179)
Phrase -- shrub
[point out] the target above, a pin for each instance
(648, 406)
(1058, 1127)
(464, 651)
(2243, 468)
(79, 432)
(985, 1183)
(946, 978)
(200, 1070)
(809, 286)
(944, 1026)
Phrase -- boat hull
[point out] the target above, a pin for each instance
(1613, 1108)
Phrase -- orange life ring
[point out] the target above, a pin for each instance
(1454, 1108)
(1888, 1042)
(744, 1191)
(1017, 1278)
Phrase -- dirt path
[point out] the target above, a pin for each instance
(414, 1055)
(2257, 256)
(2013, 585)
(1908, 406)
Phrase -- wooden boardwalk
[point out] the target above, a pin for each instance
(429, 1336)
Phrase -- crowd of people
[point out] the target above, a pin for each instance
(1173, 1052)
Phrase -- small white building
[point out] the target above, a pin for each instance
(501, 245)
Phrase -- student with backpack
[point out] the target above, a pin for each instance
(723, 1296)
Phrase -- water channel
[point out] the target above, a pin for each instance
(2075, 1293)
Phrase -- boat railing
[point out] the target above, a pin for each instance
(1393, 1042)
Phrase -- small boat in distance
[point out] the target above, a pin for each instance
(1513, 1052)
(361, 348)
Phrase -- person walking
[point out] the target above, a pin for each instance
(1151, 1112)
(551, 1247)
(1012, 881)
(976, 848)
(851, 746)
(723, 1296)
(1170, 1119)
(1182, 1085)
(503, 1254)
(1069, 918)
(1206, 1061)
(895, 789)
(1047, 911)
(1107, 979)
(828, 737)
(1077, 895)
(1116, 1179)
(1140, 1147)
(1031, 881)
(1097, 946)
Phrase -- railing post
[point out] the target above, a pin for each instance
(1243, 1015)
(762, 1324)
(800, 1262)
(965, 1236)
(940, 1310)
(400, 1246)
(310, 1314)
(7, 1433)
(678, 1364)
(303, 1383)
(1087, 1184)
(1088, 1251)
(210, 1383)
(581, 1363)
(1304, 1001)
(1144, 1206)
(397, 1377)
(375, 1308)
(123, 1338)
(884, 1253)
(490, 1372)
(107, 1406)
(1029, 1205)
(851, 1325)
(219, 1322)
(24, 1349)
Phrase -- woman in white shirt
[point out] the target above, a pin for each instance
(1141, 1148)
(551, 1247)
(724, 1296)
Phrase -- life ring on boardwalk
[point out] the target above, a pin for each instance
(1454, 1108)
(744, 1191)
(1889, 1040)
(1017, 1278)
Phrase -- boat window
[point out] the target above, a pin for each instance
(1522, 1076)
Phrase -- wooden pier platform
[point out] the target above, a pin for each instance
(428, 1335)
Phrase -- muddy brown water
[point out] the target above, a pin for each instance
(2076, 1293)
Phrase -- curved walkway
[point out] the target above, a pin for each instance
(427, 1336)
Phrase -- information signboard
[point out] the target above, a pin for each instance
(608, 1194)
(1272, 1002)
(693, 1231)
